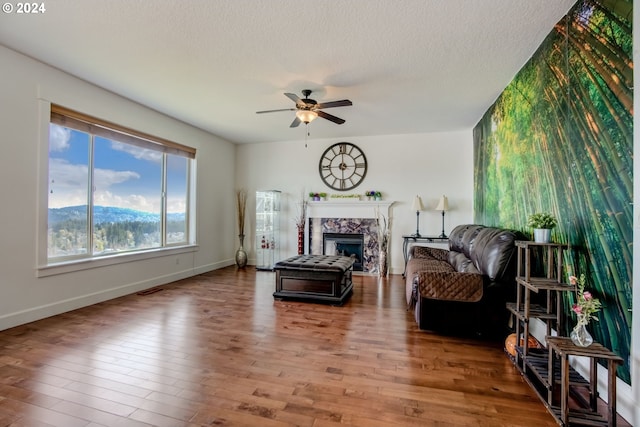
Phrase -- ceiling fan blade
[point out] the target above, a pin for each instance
(296, 99)
(274, 111)
(295, 122)
(334, 119)
(342, 103)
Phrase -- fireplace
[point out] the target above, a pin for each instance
(346, 244)
(346, 218)
(347, 228)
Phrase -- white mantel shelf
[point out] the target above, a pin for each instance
(348, 208)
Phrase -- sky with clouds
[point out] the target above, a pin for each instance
(125, 176)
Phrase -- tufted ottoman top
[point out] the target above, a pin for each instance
(316, 262)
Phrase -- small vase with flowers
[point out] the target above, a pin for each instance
(585, 308)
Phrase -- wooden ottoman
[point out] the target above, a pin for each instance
(325, 278)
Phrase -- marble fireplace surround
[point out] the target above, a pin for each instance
(347, 217)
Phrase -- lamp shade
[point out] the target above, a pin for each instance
(417, 204)
(306, 116)
(443, 204)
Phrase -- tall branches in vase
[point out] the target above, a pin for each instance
(383, 242)
(301, 220)
(241, 205)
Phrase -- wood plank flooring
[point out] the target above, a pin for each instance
(217, 350)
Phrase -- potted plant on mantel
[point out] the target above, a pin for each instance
(542, 224)
(317, 196)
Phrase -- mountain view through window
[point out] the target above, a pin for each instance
(107, 196)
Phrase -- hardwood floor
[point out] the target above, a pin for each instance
(217, 350)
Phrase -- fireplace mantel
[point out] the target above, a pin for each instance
(362, 213)
(348, 209)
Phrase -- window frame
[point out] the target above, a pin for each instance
(57, 114)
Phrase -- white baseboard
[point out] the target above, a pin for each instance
(22, 317)
(213, 266)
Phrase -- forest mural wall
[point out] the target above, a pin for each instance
(559, 139)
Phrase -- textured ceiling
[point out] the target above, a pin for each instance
(409, 66)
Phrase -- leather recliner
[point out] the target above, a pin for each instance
(464, 289)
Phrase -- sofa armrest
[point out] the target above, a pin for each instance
(429, 253)
(449, 286)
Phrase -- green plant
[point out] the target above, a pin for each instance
(542, 220)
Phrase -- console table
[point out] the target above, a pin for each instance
(410, 238)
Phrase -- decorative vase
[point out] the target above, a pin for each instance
(300, 241)
(579, 335)
(383, 268)
(241, 254)
(541, 235)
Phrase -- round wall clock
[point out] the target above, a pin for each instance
(343, 166)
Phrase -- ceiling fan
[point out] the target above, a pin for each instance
(308, 109)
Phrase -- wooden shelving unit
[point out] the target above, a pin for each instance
(560, 349)
(549, 286)
(547, 370)
(535, 363)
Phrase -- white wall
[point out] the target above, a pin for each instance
(26, 85)
(400, 166)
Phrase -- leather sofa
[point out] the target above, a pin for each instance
(464, 289)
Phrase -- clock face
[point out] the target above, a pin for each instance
(343, 166)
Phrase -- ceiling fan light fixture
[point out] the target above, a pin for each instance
(306, 116)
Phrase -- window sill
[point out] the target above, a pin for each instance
(89, 263)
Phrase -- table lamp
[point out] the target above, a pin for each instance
(443, 205)
(417, 206)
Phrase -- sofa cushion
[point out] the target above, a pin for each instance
(418, 264)
(449, 285)
(490, 249)
(462, 238)
(461, 263)
(494, 252)
(428, 252)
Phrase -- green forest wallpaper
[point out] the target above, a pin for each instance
(559, 139)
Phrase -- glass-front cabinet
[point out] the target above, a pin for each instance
(267, 229)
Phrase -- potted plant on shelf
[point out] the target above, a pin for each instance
(373, 194)
(542, 224)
